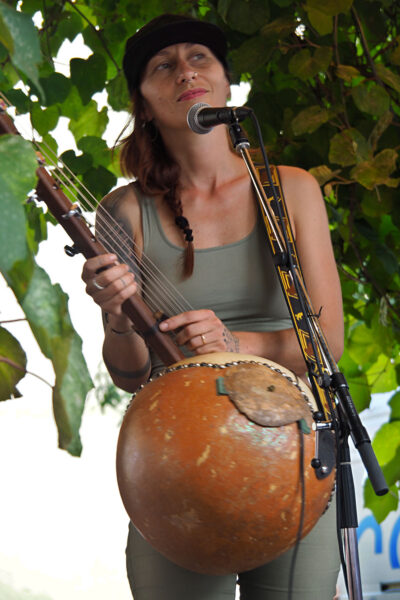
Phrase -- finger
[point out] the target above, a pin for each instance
(195, 335)
(184, 319)
(121, 290)
(107, 287)
(95, 264)
(108, 277)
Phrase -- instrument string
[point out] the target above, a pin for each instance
(160, 293)
(115, 239)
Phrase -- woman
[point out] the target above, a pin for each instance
(193, 199)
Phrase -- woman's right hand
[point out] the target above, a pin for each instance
(108, 282)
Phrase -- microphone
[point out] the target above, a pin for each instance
(202, 117)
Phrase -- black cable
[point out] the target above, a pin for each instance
(311, 374)
(301, 521)
(289, 255)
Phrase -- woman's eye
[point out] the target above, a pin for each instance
(162, 66)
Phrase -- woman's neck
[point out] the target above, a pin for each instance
(206, 161)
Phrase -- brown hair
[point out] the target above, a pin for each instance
(145, 157)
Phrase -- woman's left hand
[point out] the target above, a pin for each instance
(201, 332)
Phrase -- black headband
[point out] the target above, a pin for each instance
(164, 31)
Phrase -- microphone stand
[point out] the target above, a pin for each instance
(344, 419)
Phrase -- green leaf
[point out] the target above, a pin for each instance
(90, 121)
(118, 96)
(347, 72)
(386, 452)
(394, 404)
(388, 77)
(371, 98)
(70, 24)
(99, 181)
(310, 119)
(51, 147)
(25, 48)
(381, 506)
(72, 106)
(88, 75)
(77, 164)
(377, 171)
(56, 87)
(45, 306)
(357, 381)
(322, 22)
(376, 203)
(395, 54)
(252, 54)
(44, 120)
(323, 174)
(388, 259)
(17, 179)
(305, 65)
(73, 383)
(12, 365)
(379, 128)
(382, 375)
(5, 35)
(245, 16)
(37, 227)
(362, 345)
(348, 147)
(279, 28)
(321, 14)
(330, 7)
(255, 51)
(19, 100)
(97, 148)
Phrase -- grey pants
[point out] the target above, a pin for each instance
(153, 577)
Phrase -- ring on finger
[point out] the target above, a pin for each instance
(97, 285)
(203, 339)
(124, 282)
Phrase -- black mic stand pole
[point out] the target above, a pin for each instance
(347, 420)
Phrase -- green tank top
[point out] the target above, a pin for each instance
(237, 281)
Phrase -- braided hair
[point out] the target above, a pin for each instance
(145, 157)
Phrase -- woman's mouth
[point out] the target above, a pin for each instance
(189, 94)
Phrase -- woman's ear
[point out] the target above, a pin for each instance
(146, 114)
(228, 91)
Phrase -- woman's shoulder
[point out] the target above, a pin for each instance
(297, 176)
(121, 198)
(299, 186)
(123, 206)
(302, 195)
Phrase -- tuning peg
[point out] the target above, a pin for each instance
(71, 250)
(32, 198)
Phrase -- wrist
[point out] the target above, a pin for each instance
(119, 324)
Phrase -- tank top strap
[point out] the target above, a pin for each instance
(149, 218)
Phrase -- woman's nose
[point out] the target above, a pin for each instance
(186, 75)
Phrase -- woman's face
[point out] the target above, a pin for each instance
(176, 78)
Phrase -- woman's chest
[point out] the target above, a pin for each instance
(215, 220)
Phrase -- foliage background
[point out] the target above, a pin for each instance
(325, 84)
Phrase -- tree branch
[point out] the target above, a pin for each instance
(97, 32)
(337, 57)
(15, 365)
(13, 320)
(364, 44)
